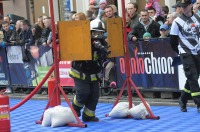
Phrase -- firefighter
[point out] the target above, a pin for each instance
(86, 76)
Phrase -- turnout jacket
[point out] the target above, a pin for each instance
(87, 69)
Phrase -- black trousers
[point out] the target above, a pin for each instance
(87, 93)
(191, 66)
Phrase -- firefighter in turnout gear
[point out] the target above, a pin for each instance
(86, 76)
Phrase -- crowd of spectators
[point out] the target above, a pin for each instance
(34, 41)
(153, 21)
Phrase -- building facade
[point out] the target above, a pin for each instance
(32, 9)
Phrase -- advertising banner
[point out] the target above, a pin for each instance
(150, 65)
(17, 69)
(27, 72)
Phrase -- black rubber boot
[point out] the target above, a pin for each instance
(77, 109)
(182, 105)
(86, 118)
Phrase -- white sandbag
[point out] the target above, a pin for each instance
(146, 111)
(60, 116)
(47, 117)
(139, 111)
(120, 110)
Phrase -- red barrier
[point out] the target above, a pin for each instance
(4, 114)
(53, 93)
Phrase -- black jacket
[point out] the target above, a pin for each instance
(139, 30)
(45, 34)
(27, 36)
(7, 35)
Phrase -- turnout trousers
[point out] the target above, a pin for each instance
(191, 67)
(87, 94)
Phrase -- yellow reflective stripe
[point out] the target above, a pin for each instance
(186, 90)
(89, 112)
(195, 94)
(96, 57)
(93, 78)
(76, 102)
(77, 75)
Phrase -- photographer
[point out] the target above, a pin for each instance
(86, 76)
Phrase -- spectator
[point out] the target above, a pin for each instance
(17, 36)
(27, 40)
(146, 24)
(170, 19)
(37, 33)
(195, 8)
(80, 16)
(152, 13)
(7, 32)
(115, 10)
(42, 54)
(164, 31)
(40, 22)
(7, 18)
(89, 15)
(72, 15)
(147, 36)
(109, 14)
(102, 6)
(165, 9)
(46, 31)
(94, 3)
(45, 50)
(92, 8)
(35, 43)
(103, 16)
(198, 3)
(132, 15)
(44, 17)
(95, 14)
(178, 7)
(26, 32)
(154, 4)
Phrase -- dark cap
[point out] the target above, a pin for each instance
(178, 4)
(185, 3)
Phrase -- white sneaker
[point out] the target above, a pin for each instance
(8, 91)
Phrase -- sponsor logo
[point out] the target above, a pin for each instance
(147, 63)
